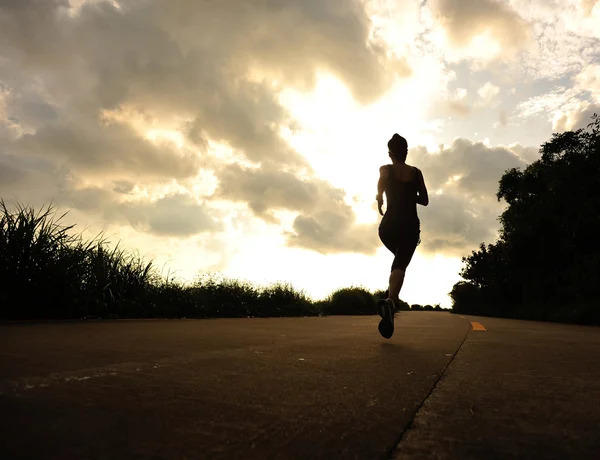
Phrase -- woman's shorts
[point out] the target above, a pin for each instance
(401, 239)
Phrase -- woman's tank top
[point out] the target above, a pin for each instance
(402, 197)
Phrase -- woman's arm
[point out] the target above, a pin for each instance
(383, 176)
(422, 197)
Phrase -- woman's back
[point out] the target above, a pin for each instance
(401, 192)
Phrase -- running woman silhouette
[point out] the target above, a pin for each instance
(400, 228)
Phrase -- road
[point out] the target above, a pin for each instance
(300, 388)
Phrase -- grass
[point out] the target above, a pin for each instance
(48, 271)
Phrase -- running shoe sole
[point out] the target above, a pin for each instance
(386, 325)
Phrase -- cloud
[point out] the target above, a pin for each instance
(175, 215)
(267, 189)
(107, 149)
(589, 80)
(548, 103)
(565, 38)
(577, 118)
(576, 112)
(31, 180)
(467, 21)
(291, 39)
(462, 180)
(453, 224)
(583, 17)
(527, 154)
(36, 181)
(457, 102)
(83, 85)
(567, 107)
(488, 94)
(474, 168)
(182, 57)
(324, 221)
(333, 231)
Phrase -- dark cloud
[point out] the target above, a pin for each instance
(478, 165)
(31, 180)
(176, 215)
(266, 189)
(453, 223)
(27, 179)
(108, 148)
(467, 173)
(210, 63)
(333, 232)
(29, 109)
(288, 39)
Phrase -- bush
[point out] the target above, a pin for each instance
(49, 272)
(351, 301)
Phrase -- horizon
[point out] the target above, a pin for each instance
(253, 150)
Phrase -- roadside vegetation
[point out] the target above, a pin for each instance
(545, 265)
(48, 271)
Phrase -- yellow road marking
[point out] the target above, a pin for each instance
(477, 326)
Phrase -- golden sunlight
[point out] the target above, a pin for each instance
(171, 135)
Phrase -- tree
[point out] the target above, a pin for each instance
(545, 263)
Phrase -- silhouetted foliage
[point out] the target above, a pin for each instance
(48, 272)
(403, 306)
(545, 263)
(351, 301)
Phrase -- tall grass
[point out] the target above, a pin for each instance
(48, 271)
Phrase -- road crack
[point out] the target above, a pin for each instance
(396, 447)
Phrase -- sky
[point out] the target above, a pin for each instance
(244, 137)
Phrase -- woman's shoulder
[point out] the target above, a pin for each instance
(415, 169)
(385, 169)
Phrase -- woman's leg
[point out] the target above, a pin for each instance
(402, 257)
(389, 240)
(396, 281)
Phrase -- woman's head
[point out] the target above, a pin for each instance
(398, 148)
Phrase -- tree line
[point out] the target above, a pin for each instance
(544, 264)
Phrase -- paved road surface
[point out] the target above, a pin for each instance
(299, 388)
